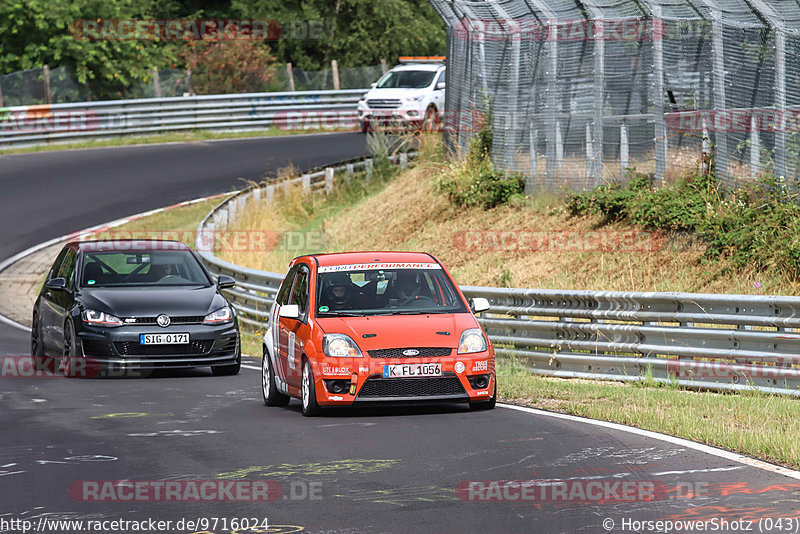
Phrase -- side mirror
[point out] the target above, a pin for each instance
(56, 283)
(440, 86)
(225, 282)
(289, 311)
(374, 85)
(479, 304)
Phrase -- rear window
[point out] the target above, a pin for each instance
(124, 269)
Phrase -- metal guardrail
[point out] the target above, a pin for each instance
(702, 341)
(32, 125)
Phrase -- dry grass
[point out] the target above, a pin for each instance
(409, 213)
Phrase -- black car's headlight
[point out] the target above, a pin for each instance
(222, 315)
(340, 346)
(98, 318)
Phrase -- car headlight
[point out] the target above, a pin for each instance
(98, 318)
(417, 98)
(340, 346)
(472, 340)
(222, 315)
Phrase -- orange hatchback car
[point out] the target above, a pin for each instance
(361, 328)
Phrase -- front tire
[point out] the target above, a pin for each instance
(37, 351)
(309, 392)
(269, 391)
(485, 405)
(69, 352)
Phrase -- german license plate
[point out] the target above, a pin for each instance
(412, 370)
(164, 339)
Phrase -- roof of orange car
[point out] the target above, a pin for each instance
(347, 258)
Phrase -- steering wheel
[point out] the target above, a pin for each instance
(420, 299)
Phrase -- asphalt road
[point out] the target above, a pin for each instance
(388, 470)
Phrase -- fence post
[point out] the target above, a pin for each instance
(384, 70)
(46, 74)
(189, 87)
(623, 150)
(599, 88)
(403, 160)
(306, 179)
(1, 95)
(706, 146)
(554, 135)
(780, 103)
(534, 157)
(335, 72)
(368, 168)
(559, 147)
(290, 72)
(348, 170)
(755, 155)
(329, 179)
(589, 155)
(156, 82)
(662, 149)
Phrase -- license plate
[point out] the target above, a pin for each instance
(163, 339)
(412, 370)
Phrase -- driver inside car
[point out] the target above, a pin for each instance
(160, 271)
(339, 293)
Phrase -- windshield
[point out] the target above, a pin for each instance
(347, 290)
(125, 269)
(406, 79)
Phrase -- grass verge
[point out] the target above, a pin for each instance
(176, 137)
(750, 423)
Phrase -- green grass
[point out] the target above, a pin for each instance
(752, 423)
(176, 137)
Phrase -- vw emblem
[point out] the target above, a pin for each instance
(410, 352)
(163, 320)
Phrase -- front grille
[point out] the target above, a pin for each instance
(424, 352)
(383, 103)
(411, 387)
(181, 319)
(132, 348)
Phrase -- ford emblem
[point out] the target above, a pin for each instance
(410, 352)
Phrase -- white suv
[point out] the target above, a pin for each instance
(409, 95)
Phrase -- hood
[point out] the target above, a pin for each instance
(393, 93)
(400, 331)
(152, 301)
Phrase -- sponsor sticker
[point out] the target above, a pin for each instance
(377, 266)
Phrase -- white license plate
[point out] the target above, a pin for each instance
(163, 339)
(412, 370)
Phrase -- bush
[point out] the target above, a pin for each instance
(754, 228)
(483, 186)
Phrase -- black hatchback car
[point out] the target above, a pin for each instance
(134, 305)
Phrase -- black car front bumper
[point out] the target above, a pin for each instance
(120, 347)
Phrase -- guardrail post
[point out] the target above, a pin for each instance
(329, 180)
(290, 72)
(232, 209)
(403, 160)
(335, 71)
(348, 170)
(269, 194)
(306, 179)
(368, 168)
(223, 218)
(257, 193)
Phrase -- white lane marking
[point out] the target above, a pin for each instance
(113, 224)
(720, 453)
(251, 367)
(709, 470)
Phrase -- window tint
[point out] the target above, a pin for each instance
(67, 270)
(300, 293)
(57, 264)
(164, 268)
(286, 287)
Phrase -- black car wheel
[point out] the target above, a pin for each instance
(269, 391)
(229, 370)
(36, 338)
(308, 392)
(69, 353)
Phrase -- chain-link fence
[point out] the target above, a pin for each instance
(581, 90)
